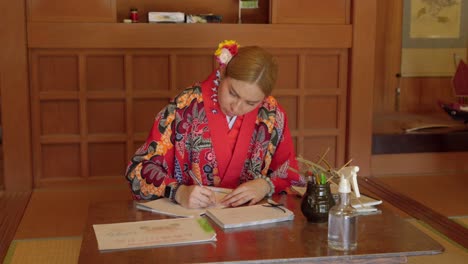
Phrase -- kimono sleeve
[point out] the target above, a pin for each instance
(284, 158)
(151, 167)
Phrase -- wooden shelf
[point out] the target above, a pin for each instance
(144, 35)
(399, 133)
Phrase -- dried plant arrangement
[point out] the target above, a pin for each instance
(320, 172)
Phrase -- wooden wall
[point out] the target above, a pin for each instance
(419, 95)
(96, 86)
(93, 108)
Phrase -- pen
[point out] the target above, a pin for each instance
(195, 178)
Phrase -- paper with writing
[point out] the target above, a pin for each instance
(167, 207)
(153, 233)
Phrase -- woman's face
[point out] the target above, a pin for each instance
(237, 98)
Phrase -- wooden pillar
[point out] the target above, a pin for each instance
(362, 84)
(16, 122)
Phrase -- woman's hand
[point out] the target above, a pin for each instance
(194, 196)
(252, 191)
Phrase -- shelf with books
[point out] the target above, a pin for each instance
(228, 10)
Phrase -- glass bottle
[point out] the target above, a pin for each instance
(342, 221)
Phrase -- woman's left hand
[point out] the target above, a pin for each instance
(252, 192)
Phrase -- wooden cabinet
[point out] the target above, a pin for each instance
(95, 86)
(93, 107)
(71, 11)
(310, 11)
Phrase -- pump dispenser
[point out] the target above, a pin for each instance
(342, 218)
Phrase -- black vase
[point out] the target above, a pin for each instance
(317, 202)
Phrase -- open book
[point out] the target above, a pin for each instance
(249, 215)
(153, 233)
(167, 207)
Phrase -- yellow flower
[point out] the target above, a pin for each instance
(226, 50)
(226, 44)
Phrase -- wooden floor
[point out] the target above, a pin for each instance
(12, 206)
(446, 194)
(62, 213)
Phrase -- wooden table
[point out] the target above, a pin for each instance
(382, 238)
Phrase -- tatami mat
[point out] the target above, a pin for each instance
(453, 254)
(461, 220)
(61, 250)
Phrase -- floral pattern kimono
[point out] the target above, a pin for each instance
(191, 133)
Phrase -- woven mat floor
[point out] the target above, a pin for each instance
(59, 250)
(453, 254)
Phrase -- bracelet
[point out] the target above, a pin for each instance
(171, 191)
(268, 180)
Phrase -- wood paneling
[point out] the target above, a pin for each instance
(58, 73)
(59, 117)
(106, 116)
(89, 135)
(105, 73)
(65, 50)
(71, 11)
(191, 68)
(144, 112)
(144, 35)
(316, 146)
(145, 69)
(310, 11)
(421, 94)
(107, 159)
(16, 122)
(59, 161)
(417, 94)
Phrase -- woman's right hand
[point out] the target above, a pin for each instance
(194, 196)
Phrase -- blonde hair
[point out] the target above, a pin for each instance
(255, 65)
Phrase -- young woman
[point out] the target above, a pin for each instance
(227, 131)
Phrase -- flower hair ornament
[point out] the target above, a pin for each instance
(226, 50)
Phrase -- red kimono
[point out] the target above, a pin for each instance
(192, 133)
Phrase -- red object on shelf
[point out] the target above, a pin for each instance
(134, 15)
(460, 80)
